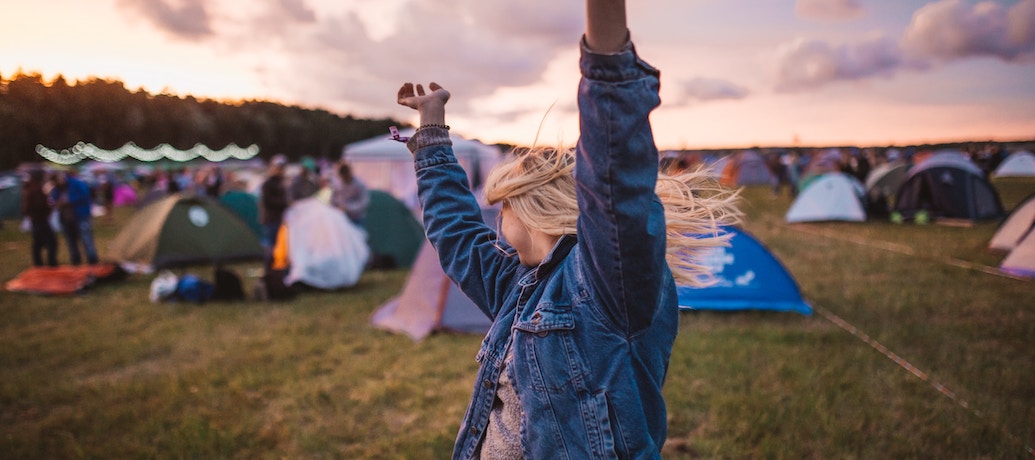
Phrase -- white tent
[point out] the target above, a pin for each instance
(1021, 260)
(1016, 226)
(325, 250)
(832, 196)
(1018, 164)
(385, 164)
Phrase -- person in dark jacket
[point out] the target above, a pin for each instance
(36, 206)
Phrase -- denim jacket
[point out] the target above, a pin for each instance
(592, 326)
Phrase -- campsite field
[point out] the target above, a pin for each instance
(106, 374)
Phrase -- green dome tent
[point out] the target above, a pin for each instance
(395, 235)
(184, 230)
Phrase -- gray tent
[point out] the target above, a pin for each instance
(747, 168)
(885, 179)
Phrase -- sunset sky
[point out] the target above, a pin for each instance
(735, 73)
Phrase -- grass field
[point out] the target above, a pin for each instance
(107, 374)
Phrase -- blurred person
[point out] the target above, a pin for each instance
(37, 207)
(214, 181)
(71, 197)
(303, 185)
(274, 200)
(350, 195)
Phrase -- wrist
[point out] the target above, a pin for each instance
(432, 114)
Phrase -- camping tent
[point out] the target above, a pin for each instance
(183, 230)
(1018, 164)
(1015, 227)
(325, 250)
(882, 184)
(832, 196)
(245, 206)
(384, 164)
(430, 301)
(749, 277)
(747, 168)
(885, 179)
(948, 186)
(124, 195)
(819, 164)
(1021, 260)
(10, 196)
(395, 234)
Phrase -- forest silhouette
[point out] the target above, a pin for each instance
(103, 112)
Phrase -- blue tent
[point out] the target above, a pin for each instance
(749, 278)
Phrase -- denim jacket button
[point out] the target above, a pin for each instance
(474, 430)
(487, 383)
(543, 333)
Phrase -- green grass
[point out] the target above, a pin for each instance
(107, 374)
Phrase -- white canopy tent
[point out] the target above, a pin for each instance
(385, 164)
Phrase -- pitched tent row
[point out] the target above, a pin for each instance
(748, 277)
(945, 185)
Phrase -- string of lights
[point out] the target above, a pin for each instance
(82, 151)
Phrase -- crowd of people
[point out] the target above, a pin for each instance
(62, 202)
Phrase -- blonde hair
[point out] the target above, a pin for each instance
(538, 185)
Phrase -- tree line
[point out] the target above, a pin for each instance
(103, 112)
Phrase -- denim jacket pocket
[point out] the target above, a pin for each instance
(547, 343)
(547, 319)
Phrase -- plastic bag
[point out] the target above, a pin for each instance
(163, 286)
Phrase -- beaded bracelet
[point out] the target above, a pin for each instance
(433, 125)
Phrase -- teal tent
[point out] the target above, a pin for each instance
(10, 196)
(244, 205)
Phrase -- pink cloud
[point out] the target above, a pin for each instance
(829, 9)
(188, 19)
(711, 89)
(807, 64)
(951, 29)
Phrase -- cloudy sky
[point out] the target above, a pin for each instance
(735, 73)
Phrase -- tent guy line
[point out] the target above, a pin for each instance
(894, 357)
(906, 250)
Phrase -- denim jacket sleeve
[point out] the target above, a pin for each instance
(467, 247)
(621, 223)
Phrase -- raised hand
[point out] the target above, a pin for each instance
(431, 106)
